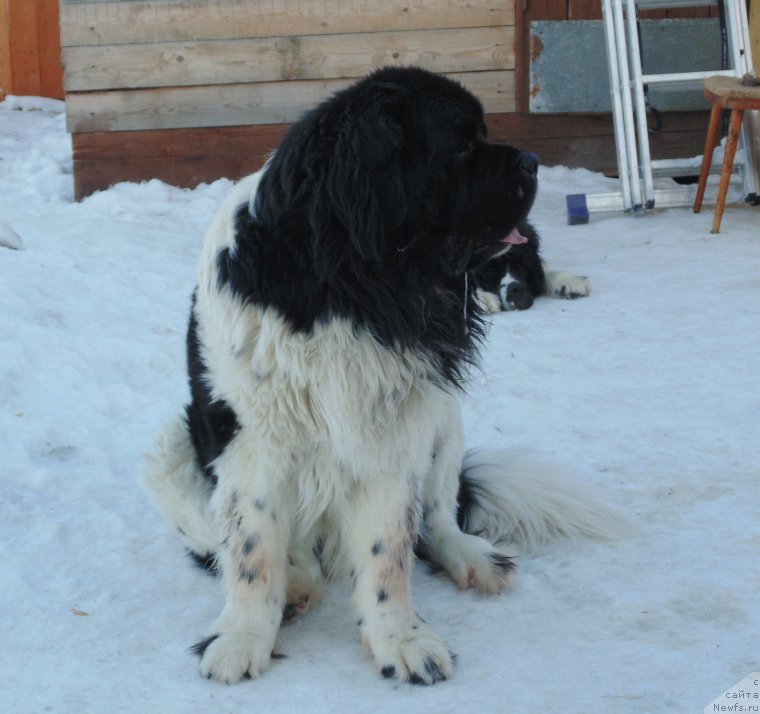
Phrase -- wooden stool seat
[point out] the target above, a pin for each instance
(724, 93)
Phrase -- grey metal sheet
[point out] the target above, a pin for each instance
(568, 68)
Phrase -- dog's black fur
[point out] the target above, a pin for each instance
(401, 199)
(375, 207)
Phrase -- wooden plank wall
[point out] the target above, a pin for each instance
(154, 66)
(30, 48)
(192, 90)
(146, 65)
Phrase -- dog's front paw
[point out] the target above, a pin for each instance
(232, 656)
(566, 285)
(415, 655)
(488, 301)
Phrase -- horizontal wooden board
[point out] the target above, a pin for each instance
(187, 157)
(588, 140)
(522, 128)
(164, 143)
(282, 58)
(138, 21)
(185, 172)
(239, 104)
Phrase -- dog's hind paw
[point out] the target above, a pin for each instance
(305, 588)
(296, 606)
(473, 562)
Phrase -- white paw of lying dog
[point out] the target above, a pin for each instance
(562, 284)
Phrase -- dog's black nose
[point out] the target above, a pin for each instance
(528, 163)
(518, 296)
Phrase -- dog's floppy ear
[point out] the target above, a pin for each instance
(363, 187)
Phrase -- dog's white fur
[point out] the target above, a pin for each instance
(345, 441)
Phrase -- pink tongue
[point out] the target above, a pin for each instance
(514, 238)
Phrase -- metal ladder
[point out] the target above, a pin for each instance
(635, 167)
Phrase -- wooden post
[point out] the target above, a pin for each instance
(712, 134)
(5, 50)
(30, 48)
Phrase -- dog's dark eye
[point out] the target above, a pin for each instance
(464, 150)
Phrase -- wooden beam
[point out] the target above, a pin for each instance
(239, 104)
(130, 21)
(30, 50)
(282, 58)
(182, 171)
(6, 70)
(219, 141)
(187, 157)
(49, 49)
(24, 51)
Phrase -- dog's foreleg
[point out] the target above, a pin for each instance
(380, 538)
(254, 515)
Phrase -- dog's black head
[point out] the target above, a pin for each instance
(400, 162)
(375, 206)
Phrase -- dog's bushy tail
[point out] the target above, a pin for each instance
(181, 492)
(512, 495)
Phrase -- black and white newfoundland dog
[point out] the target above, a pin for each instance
(332, 327)
(516, 277)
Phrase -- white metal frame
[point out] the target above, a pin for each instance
(616, 93)
(635, 166)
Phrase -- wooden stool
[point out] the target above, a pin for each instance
(724, 93)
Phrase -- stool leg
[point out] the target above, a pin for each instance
(734, 129)
(712, 135)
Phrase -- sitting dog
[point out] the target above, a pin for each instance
(333, 323)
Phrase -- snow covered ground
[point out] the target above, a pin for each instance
(649, 388)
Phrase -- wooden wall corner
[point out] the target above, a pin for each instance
(30, 48)
(5, 50)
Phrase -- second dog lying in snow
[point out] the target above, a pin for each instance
(514, 279)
